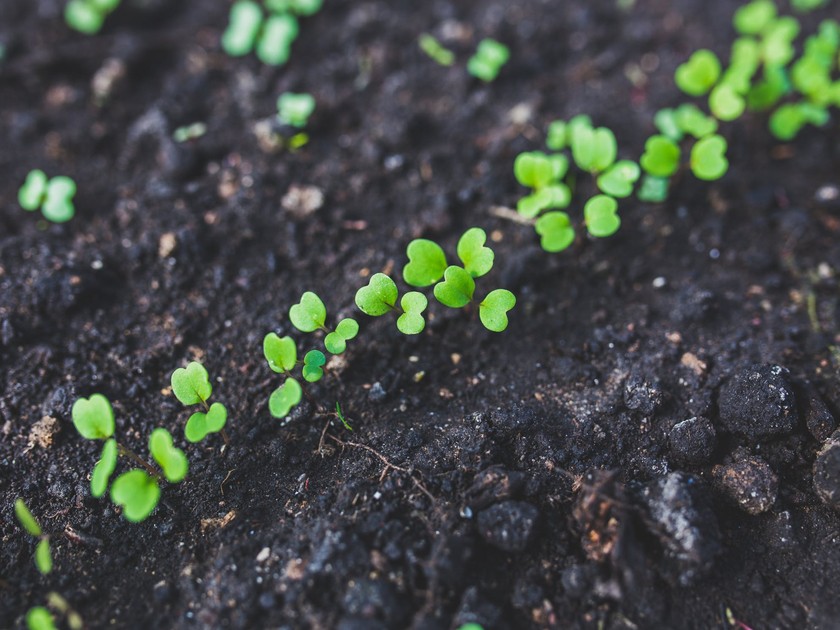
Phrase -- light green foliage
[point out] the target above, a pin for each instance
(697, 75)
(39, 618)
(435, 50)
(191, 385)
(808, 5)
(708, 158)
(493, 309)
(665, 120)
(340, 415)
(313, 362)
(88, 16)
(53, 196)
(103, 469)
(426, 263)
(788, 120)
(766, 92)
(477, 258)
(336, 341)
(378, 297)
(661, 157)
(169, 457)
(488, 60)
(300, 7)
(285, 398)
(457, 288)
(295, 109)
(272, 37)
(26, 519)
(601, 216)
(274, 46)
(694, 122)
(93, 417)
(777, 42)
(43, 556)
(753, 18)
(543, 173)
(243, 27)
(533, 169)
(201, 424)
(555, 230)
(471, 626)
(726, 103)
(593, 150)
(653, 189)
(189, 132)
(280, 352)
(31, 194)
(138, 494)
(411, 321)
(309, 314)
(560, 132)
(619, 179)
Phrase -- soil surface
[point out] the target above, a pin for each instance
(636, 451)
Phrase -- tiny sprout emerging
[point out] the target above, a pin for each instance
(340, 415)
(243, 27)
(189, 132)
(661, 157)
(301, 7)
(457, 288)
(619, 179)
(191, 386)
(411, 321)
(477, 259)
(789, 119)
(88, 16)
(726, 103)
(708, 158)
(493, 309)
(560, 132)
(295, 109)
(246, 31)
(138, 494)
(336, 341)
(201, 424)
(694, 122)
(433, 48)
(43, 557)
(488, 60)
(285, 398)
(309, 314)
(556, 231)
(753, 18)
(313, 362)
(697, 75)
(171, 459)
(601, 215)
(40, 618)
(53, 196)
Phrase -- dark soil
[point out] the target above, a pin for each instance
(636, 451)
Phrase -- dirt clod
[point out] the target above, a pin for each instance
(508, 525)
(758, 403)
(749, 483)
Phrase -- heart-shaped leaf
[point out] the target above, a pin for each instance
(378, 297)
(531, 205)
(336, 341)
(313, 361)
(26, 520)
(243, 27)
(103, 469)
(494, 308)
(284, 398)
(93, 417)
(661, 157)
(477, 259)
(170, 458)
(457, 288)
(411, 321)
(43, 557)
(594, 150)
(40, 618)
(556, 231)
(619, 179)
(533, 169)
(280, 352)
(31, 194)
(58, 204)
(697, 75)
(191, 385)
(559, 166)
(201, 424)
(601, 215)
(708, 158)
(726, 103)
(138, 494)
(426, 263)
(309, 314)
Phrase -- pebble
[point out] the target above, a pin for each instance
(758, 403)
(508, 525)
(377, 393)
(827, 472)
(692, 442)
(818, 418)
(749, 483)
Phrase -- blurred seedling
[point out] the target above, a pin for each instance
(295, 109)
(249, 29)
(53, 196)
(138, 490)
(88, 16)
(191, 386)
(488, 59)
(40, 617)
(43, 556)
(299, 7)
(435, 50)
(190, 132)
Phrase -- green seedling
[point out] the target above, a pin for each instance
(593, 150)
(43, 557)
(790, 118)
(340, 415)
(380, 297)
(653, 189)
(543, 173)
(619, 179)
(665, 120)
(697, 75)
(493, 309)
(601, 216)
(40, 618)
(753, 18)
(171, 459)
(725, 103)
(708, 158)
(336, 341)
(661, 157)
(295, 109)
(457, 288)
(694, 122)
(807, 5)
(104, 468)
(137, 492)
(53, 196)
(299, 7)
(535, 169)
(555, 230)
(435, 50)
(309, 314)
(477, 259)
(560, 132)
(313, 363)
(188, 133)
(550, 197)
(280, 352)
(777, 47)
(248, 30)
(88, 16)
(411, 321)
(427, 260)
(488, 60)
(769, 90)
(191, 386)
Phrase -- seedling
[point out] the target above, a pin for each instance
(88, 16)
(593, 150)
(661, 157)
(457, 291)
(488, 60)
(708, 158)
(755, 17)
(295, 109)
(697, 75)
(248, 30)
(543, 173)
(560, 132)
(310, 315)
(191, 386)
(788, 120)
(43, 557)
(427, 261)
(601, 216)
(53, 196)
(40, 617)
(435, 50)
(726, 103)
(340, 415)
(313, 363)
(190, 132)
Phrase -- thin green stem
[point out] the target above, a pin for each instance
(127, 452)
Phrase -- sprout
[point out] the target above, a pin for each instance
(708, 158)
(753, 18)
(88, 16)
(191, 386)
(601, 215)
(53, 196)
(285, 398)
(336, 341)
(340, 415)
(493, 309)
(457, 288)
(275, 44)
(43, 557)
(93, 417)
(201, 424)
(39, 618)
(593, 150)
(378, 297)
(243, 27)
(295, 109)
(171, 459)
(488, 60)
(411, 321)
(807, 5)
(246, 31)
(300, 7)
(697, 75)
(777, 41)
(534, 169)
(560, 132)
(280, 352)
(694, 122)
(661, 157)
(477, 259)
(189, 132)
(619, 179)
(786, 122)
(555, 230)
(309, 314)
(313, 362)
(433, 48)
(769, 90)
(138, 494)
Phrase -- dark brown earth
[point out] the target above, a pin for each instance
(636, 451)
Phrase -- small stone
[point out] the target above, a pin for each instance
(302, 201)
(377, 393)
(693, 441)
(264, 554)
(750, 484)
(827, 472)
(508, 525)
(166, 244)
(758, 403)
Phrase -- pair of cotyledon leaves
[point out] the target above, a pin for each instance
(53, 196)
(281, 354)
(191, 386)
(310, 315)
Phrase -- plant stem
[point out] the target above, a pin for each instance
(127, 452)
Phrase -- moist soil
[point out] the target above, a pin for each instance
(637, 450)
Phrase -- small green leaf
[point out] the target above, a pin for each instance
(82, 16)
(694, 122)
(26, 520)
(295, 109)
(488, 60)
(191, 385)
(559, 166)
(243, 27)
(477, 258)
(435, 50)
(93, 417)
(58, 204)
(726, 103)
(653, 189)
(426, 263)
(601, 215)
(556, 137)
(754, 17)
(619, 179)
(336, 341)
(697, 75)
(665, 121)
(138, 494)
(103, 469)
(661, 157)
(457, 288)
(348, 328)
(170, 458)
(594, 150)
(378, 297)
(340, 415)
(275, 43)
(313, 361)
(708, 158)
(556, 231)
(309, 314)
(39, 618)
(280, 352)
(411, 321)
(284, 398)
(43, 557)
(201, 424)
(531, 205)
(533, 169)
(31, 194)
(494, 308)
